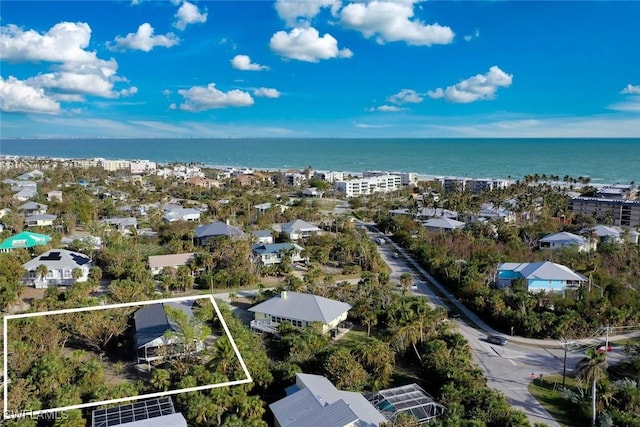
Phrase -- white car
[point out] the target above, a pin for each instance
(414, 287)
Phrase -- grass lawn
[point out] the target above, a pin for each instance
(548, 392)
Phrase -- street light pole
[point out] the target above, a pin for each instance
(564, 368)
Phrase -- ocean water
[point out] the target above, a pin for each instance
(603, 160)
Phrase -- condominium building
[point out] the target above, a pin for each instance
(115, 165)
(473, 185)
(365, 186)
(624, 213)
(329, 176)
(407, 178)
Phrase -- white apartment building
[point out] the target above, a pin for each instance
(142, 166)
(329, 176)
(115, 165)
(407, 178)
(473, 185)
(373, 184)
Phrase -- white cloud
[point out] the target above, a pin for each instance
(243, 62)
(187, 14)
(387, 108)
(200, 98)
(391, 22)
(267, 92)
(17, 96)
(64, 42)
(478, 87)
(632, 105)
(406, 96)
(144, 40)
(631, 90)
(305, 44)
(469, 37)
(293, 10)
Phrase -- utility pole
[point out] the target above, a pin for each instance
(564, 368)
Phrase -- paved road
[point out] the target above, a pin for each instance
(507, 368)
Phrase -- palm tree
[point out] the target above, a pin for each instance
(592, 368)
(42, 270)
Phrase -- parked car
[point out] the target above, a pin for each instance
(396, 255)
(496, 339)
(603, 347)
(414, 287)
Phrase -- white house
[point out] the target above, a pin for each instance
(443, 224)
(159, 262)
(270, 254)
(181, 214)
(566, 239)
(300, 310)
(264, 237)
(42, 220)
(298, 229)
(60, 264)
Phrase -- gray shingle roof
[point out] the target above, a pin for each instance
(444, 223)
(151, 321)
(217, 229)
(58, 259)
(300, 306)
(298, 225)
(565, 238)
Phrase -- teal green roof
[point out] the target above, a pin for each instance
(25, 239)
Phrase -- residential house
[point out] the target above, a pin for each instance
(246, 180)
(312, 192)
(157, 412)
(181, 214)
(264, 237)
(270, 254)
(60, 264)
(202, 182)
(612, 234)
(33, 208)
(206, 233)
(54, 195)
(539, 276)
(24, 194)
(26, 239)
(565, 239)
(158, 262)
(156, 332)
(313, 401)
(33, 175)
(443, 224)
(122, 224)
(42, 220)
(300, 310)
(298, 229)
(495, 213)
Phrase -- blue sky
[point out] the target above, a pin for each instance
(319, 68)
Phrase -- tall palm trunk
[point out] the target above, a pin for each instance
(593, 403)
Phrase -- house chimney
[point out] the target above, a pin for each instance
(283, 294)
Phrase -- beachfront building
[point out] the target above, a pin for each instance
(138, 167)
(366, 186)
(300, 310)
(115, 165)
(620, 212)
(59, 265)
(406, 178)
(157, 412)
(565, 239)
(539, 276)
(328, 176)
(314, 401)
(473, 185)
(22, 240)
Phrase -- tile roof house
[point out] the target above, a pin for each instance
(298, 229)
(300, 309)
(270, 254)
(158, 412)
(205, 233)
(60, 264)
(26, 239)
(539, 276)
(158, 262)
(151, 327)
(313, 401)
(41, 220)
(565, 239)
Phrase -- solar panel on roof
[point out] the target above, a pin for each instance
(141, 410)
(51, 256)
